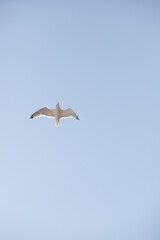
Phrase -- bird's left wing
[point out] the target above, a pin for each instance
(68, 113)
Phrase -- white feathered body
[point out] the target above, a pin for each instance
(56, 113)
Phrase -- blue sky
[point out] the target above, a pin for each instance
(97, 178)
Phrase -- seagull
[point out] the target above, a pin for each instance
(55, 113)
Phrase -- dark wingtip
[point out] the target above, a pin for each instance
(78, 118)
(31, 117)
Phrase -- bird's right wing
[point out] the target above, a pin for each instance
(44, 112)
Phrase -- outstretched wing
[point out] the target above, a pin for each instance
(43, 112)
(68, 113)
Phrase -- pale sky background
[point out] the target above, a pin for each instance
(97, 178)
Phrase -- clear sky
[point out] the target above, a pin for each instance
(97, 178)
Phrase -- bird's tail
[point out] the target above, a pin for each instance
(57, 122)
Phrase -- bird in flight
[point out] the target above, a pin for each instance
(56, 113)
